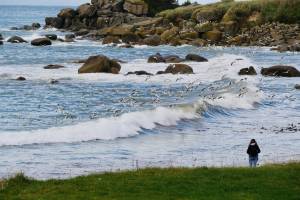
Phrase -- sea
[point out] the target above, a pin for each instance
(94, 123)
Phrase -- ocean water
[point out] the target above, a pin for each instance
(102, 122)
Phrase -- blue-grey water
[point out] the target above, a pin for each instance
(103, 122)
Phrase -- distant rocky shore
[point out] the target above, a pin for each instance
(127, 21)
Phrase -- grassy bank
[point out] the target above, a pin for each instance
(267, 182)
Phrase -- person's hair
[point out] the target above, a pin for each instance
(252, 141)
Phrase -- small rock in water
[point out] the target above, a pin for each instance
(248, 71)
(21, 78)
(16, 39)
(297, 86)
(195, 57)
(53, 81)
(70, 36)
(51, 36)
(281, 70)
(1, 42)
(179, 69)
(53, 67)
(139, 73)
(1, 37)
(41, 42)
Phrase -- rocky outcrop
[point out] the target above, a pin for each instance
(41, 42)
(16, 39)
(248, 71)
(179, 69)
(53, 67)
(195, 58)
(111, 40)
(281, 70)
(100, 64)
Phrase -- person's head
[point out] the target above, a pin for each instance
(252, 141)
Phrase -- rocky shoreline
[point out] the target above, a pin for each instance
(126, 21)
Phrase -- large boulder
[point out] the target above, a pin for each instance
(100, 64)
(41, 42)
(195, 58)
(16, 39)
(248, 71)
(136, 7)
(86, 11)
(67, 13)
(179, 69)
(153, 40)
(280, 70)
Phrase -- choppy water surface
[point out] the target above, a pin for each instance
(102, 122)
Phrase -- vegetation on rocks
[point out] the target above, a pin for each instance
(274, 182)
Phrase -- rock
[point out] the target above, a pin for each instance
(69, 40)
(198, 42)
(281, 70)
(173, 59)
(111, 39)
(130, 38)
(35, 26)
(53, 81)
(126, 46)
(70, 36)
(41, 42)
(55, 22)
(139, 73)
(195, 58)
(86, 11)
(1, 42)
(16, 39)
(157, 58)
(189, 35)
(1, 37)
(53, 67)
(297, 86)
(160, 72)
(100, 64)
(153, 40)
(248, 71)
(136, 7)
(203, 28)
(67, 13)
(51, 36)
(82, 32)
(21, 78)
(168, 35)
(179, 69)
(213, 36)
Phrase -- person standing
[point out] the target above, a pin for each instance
(253, 151)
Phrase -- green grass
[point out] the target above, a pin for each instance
(273, 182)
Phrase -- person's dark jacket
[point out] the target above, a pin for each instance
(253, 150)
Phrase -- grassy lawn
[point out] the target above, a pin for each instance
(272, 182)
